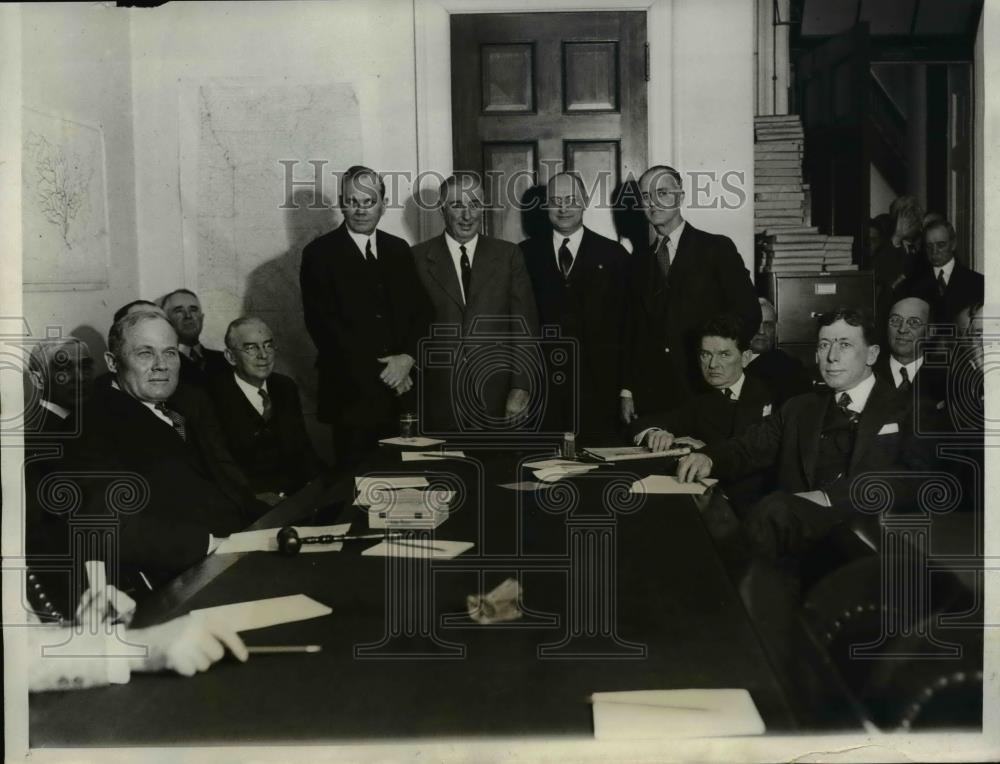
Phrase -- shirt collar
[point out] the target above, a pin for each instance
(187, 349)
(151, 406)
(573, 245)
(55, 408)
(737, 387)
(675, 235)
(946, 269)
(911, 369)
(250, 391)
(453, 247)
(859, 393)
(361, 239)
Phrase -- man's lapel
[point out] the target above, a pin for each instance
(881, 408)
(484, 266)
(750, 407)
(810, 430)
(442, 270)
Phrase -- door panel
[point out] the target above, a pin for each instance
(537, 93)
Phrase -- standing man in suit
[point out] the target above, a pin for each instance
(948, 286)
(820, 443)
(906, 330)
(261, 414)
(784, 375)
(579, 281)
(183, 309)
(685, 278)
(365, 310)
(478, 285)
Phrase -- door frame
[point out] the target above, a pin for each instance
(432, 54)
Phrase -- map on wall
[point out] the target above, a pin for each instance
(64, 204)
(250, 152)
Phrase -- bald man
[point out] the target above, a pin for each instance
(579, 280)
(784, 375)
(906, 331)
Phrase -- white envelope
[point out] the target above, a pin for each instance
(646, 714)
(889, 429)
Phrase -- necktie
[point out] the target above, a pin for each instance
(942, 285)
(197, 357)
(904, 380)
(266, 400)
(843, 402)
(466, 272)
(728, 393)
(565, 258)
(663, 255)
(369, 255)
(176, 419)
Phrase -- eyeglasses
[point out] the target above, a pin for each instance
(253, 349)
(939, 246)
(911, 323)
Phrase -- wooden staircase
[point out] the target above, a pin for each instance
(781, 204)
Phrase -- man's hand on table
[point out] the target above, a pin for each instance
(693, 467)
(185, 645)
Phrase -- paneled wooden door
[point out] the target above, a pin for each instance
(536, 93)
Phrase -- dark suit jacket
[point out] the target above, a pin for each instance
(588, 307)
(501, 309)
(789, 440)
(930, 382)
(183, 504)
(784, 375)
(213, 362)
(707, 277)
(341, 299)
(965, 287)
(276, 455)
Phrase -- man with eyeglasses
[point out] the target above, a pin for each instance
(261, 414)
(686, 277)
(947, 285)
(907, 334)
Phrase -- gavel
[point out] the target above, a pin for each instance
(290, 543)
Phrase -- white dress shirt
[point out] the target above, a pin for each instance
(911, 369)
(946, 269)
(736, 388)
(573, 245)
(362, 239)
(859, 394)
(675, 237)
(252, 392)
(456, 257)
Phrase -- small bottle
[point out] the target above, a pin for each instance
(569, 446)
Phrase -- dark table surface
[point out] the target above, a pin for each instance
(656, 611)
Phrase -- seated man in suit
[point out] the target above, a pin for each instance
(579, 280)
(821, 443)
(60, 373)
(131, 429)
(261, 414)
(734, 402)
(906, 330)
(183, 309)
(784, 375)
(947, 286)
(476, 284)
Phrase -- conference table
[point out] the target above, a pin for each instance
(620, 591)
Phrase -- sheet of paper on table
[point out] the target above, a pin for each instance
(434, 548)
(551, 474)
(666, 484)
(525, 485)
(626, 453)
(418, 441)
(430, 456)
(543, 464)
(405, 496)
(373, 485)
(266, 540)
(256, 614)
(645, 714)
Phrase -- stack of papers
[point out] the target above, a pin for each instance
(645, 714)
(551, 474)
(409, 509)
(666, 484)
(433, 548)
(430, 456)
(373, 488)
(266, 540)
(543, 464)
(416, 441)
(624, 453)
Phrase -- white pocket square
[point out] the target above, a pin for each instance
(766, 411)
(889, 429)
